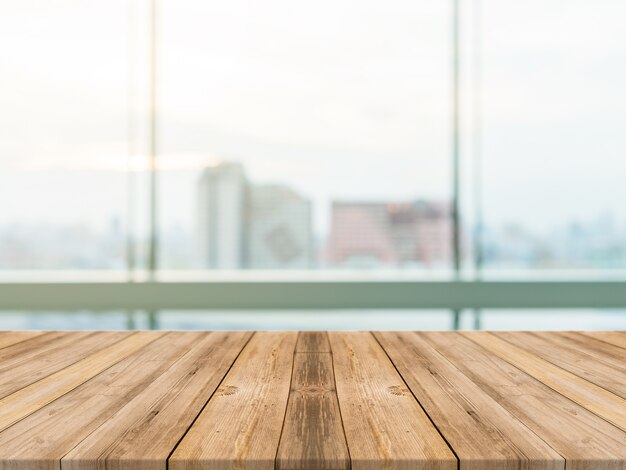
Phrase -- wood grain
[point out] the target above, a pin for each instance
(38, 362)
(8, 338)
(312, 401)
(483, 434)
(586, 441)
(241, 425)
(384, 425)
(577, 357)
(31, 346)
(616, 338)
(312, 436)
(594, 347)
(39, 441)
(594, 398)
(29, 399)
(146, 430)
(313, 341)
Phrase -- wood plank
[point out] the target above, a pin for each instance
(483, 434)
(592, 397)
(146, 430)
(586, 441)
(25, 369)
(577, 357)
(36, 395)
(596, 347)
(616, 338)
(32, 346)
(8, 338)
(312, 436)
(384, 425)
(241, 425)
(313, 341)
(39, 441)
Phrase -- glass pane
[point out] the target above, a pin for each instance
(64, 133)
(304, 135)
(554, 140)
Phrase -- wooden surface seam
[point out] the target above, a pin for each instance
(220, 400)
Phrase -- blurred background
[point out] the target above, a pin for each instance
(404, 140)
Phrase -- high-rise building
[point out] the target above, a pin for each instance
(242, 225)
(279, 228)
(389, 234)
(221, 219)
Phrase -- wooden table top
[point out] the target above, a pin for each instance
(312, 401)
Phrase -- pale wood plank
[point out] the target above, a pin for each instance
(616, 338)
(574, 356)
(312, 436)
(39, 441)
(586, 441)
(483, 434)
(241, 425)
(594, 398)
(384, 425)
(8, 338)
(31, 346)
(146, 430)
(39, 362)
(36, 395)
(595, 347)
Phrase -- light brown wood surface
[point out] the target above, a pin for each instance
(578, 357)
(587, 394)
(312, 436)
(385, 426)
(312, 400)
(241, 425)
(7, 338)
(479, 429)
(617, 338)
(584, 439)
(44, 359)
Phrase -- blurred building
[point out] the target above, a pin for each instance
(243, 225)
(378, 234)
(280, 232)
(221, 219)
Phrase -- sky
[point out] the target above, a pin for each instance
(341, 99)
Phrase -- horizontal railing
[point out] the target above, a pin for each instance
(311, 294)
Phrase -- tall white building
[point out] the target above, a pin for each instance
(241, 225)
(222, 204)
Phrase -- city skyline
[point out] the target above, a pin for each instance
(243, 225)
(275, 221)
(360, 111)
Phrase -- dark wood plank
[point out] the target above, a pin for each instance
(312, 436)
(587, 394)
(241, 425)
(577, 357)
(146, 429)
(586, 441)
(41, 440)
(384, 425)
(483, 434)
(313, 341)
